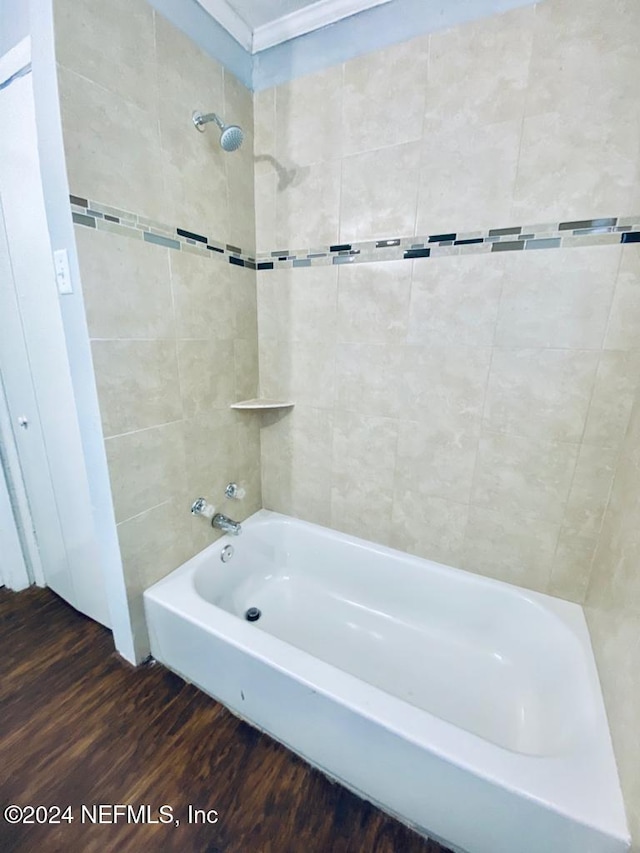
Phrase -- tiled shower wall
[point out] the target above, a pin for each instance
(173, 333)
(472, 408)
(526, 117)
(613, 611)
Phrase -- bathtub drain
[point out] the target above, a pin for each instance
(252, 614)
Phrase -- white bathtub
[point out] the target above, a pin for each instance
(469, 708)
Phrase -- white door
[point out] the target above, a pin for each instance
(24, 454)
(33, 358)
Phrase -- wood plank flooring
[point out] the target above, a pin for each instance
(78, 726)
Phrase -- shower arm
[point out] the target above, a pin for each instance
(204, 118)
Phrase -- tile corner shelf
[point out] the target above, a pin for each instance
(261, 404)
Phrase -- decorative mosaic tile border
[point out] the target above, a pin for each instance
(557, 235)
(93, 214)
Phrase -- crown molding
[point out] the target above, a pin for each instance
(228, 18)
(307, 19)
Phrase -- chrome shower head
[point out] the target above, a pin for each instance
(231, 136)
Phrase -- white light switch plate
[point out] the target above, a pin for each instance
(63, 277)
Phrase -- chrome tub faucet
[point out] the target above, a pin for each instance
(226, 524)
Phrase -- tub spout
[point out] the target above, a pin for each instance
(228, 525)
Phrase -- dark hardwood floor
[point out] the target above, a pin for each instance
(80, 727)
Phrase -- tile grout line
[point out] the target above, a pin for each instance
(143, 429)
(144, 512)
(605, 513)
(581, 443)
(179, 372)
(618, 455)
(524, 102)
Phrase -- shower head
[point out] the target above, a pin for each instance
(231, 136)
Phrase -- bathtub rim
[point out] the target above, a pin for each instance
(535, 777)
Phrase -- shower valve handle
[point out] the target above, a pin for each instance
(201, 507)
(234, 492)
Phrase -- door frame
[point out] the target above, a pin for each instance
(36, 369)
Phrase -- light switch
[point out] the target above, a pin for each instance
(63, 277)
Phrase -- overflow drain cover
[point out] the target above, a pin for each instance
(252, 614)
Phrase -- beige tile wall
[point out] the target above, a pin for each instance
(129, 82)
(167, 370)
(482, 432)
(520, 118)
(174, 335)
(502, 384)
(613, 613)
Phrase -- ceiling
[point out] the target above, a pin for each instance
(259, 25)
